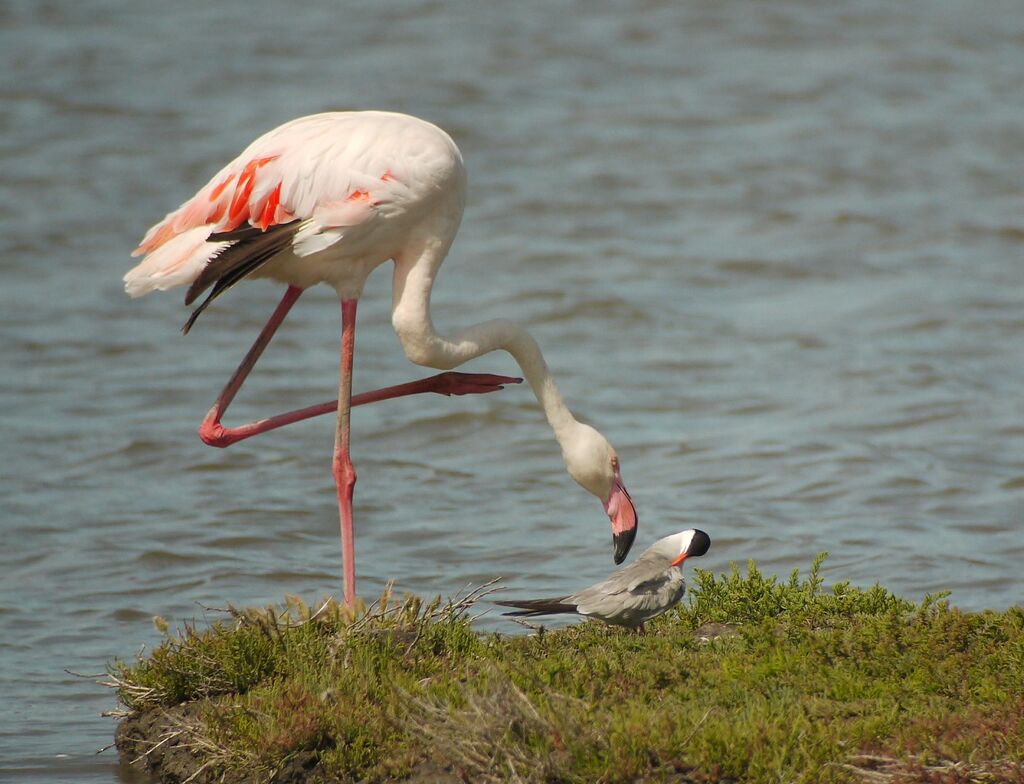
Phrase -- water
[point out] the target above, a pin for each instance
(773, 251)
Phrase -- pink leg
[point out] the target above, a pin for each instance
(211, 430)
(344, 472)
(213, 433)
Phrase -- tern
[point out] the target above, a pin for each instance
(649, 586)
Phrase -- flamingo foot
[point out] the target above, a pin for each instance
(452, 383)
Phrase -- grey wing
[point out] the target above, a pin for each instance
(649, 566)
(657, 596)
(633, 594)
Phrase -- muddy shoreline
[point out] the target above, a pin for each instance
(154, 741)
(842, 679)
(160, 742)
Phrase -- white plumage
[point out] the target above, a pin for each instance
(367, 178)
(326, 199)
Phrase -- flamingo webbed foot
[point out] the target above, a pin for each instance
(455, 383)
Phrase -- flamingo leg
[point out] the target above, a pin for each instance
(213, 433)
(211, 430)
(344, 472)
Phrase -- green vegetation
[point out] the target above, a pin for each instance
(751, 679)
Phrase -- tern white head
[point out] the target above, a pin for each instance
(690, 543)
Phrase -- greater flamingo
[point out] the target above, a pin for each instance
(326, 199)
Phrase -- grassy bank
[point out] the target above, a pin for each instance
(752, 680)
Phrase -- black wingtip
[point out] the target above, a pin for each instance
(532, 607)
(249, 249)
(195, 313)
(191, 320)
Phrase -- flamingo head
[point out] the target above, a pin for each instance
(592, 462)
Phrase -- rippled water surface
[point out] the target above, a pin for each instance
(772, 250)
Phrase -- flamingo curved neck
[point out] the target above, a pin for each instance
(501, 334)
(510, 337)
(410, 317)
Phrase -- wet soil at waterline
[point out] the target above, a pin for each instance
(752, 679)
(158, 741)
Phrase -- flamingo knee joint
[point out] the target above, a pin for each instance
(215, 434)
(344, 471)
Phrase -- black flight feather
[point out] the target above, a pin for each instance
(252, 249)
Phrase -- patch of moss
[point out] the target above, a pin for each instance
(804, 685)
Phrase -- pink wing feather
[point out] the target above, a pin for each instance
(308, 169)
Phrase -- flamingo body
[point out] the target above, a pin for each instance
(360, 184)
(326, 199)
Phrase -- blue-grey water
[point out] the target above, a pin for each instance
(773, 250)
